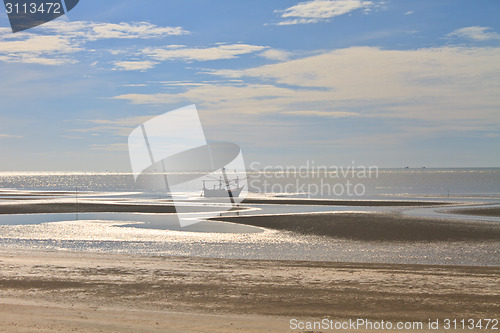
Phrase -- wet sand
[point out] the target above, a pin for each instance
(359, 203)
(487, 211)
(375, 226)
(92, 292)
(89, 207)
(168, 207)
(59, 292)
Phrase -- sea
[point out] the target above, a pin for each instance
(125, 233)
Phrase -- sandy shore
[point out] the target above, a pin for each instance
(487, 211)
(327, 202)
(60, 292)
(89, 292)
(375, 227)
(92, 207)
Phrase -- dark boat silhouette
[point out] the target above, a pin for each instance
(224, 189)
(222, 192)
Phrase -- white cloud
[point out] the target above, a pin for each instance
(298, 21)
(141, 30)
(275, 54)
(328, 114)
(452, 85)
(89, 30)
(71, 137)
(9, 136)
(134, 65)
(475, 33)
(368, 72)
(4, 31)
(184, 84)
(119, 127)
(111, 147)
(227, 51)
(56, 42)
(211, 92)
(410, 12)
(28, 48)
(320, 10)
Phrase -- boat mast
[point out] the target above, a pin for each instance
(227, 184)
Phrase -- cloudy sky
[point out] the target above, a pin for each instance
(387, 83)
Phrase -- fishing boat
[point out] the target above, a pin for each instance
(222, 192)
(225, 187)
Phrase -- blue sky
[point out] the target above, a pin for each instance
(387, 83)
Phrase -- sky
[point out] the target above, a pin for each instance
(374, 83)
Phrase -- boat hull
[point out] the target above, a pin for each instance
(222, 193)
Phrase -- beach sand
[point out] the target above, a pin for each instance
(330, 202)
(486, 211)
(64, 291)
(375, 226)
(89, 206)
(94, 292)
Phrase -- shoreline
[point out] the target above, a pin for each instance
(60, 291)
(119, 207)
(334, 202)
(363, 226)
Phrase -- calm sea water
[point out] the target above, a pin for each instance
(317, 183)
(125, 233)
